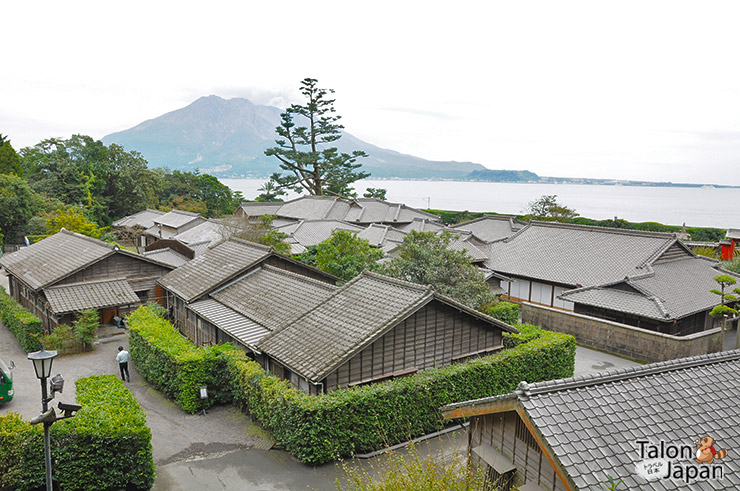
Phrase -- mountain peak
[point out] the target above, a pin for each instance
(228, 137)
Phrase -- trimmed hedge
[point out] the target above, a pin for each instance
(174, 365)
(527, 333)
(505, 311)
(22, 323)
(106, 446)
(318, 429)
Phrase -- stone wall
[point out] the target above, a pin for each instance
(621, 339)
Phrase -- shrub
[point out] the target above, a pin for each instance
(106, 446)
(174, 365)
(527, 332)
(505, 311)
(318, 429)
(76, 339)
(25, 326)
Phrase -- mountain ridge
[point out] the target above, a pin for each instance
(228, 137)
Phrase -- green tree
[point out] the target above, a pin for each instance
(345, 255)
(303, 151)
(270, 192)
(71, 219)
(723, 311)
(546, 207)
(424, 258)
(18, 203)
(378, 193)
(10, 161)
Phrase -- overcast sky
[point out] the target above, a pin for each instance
(628, 90)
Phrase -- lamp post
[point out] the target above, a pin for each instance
(42, 364)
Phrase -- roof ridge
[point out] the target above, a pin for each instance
(91, 282)
(183, 212)
(596, 228)
(626, 373)
(298, 276)
(502, 218)
(108, 245)
(248, 243)
(392, 280)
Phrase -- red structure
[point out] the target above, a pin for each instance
(727, 247)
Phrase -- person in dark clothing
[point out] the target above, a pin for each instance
(122, 358)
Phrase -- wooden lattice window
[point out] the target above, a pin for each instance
(522, 433)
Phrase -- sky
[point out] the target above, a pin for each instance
(644, 90)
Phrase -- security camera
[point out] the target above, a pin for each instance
(56, 384)
(48, 416)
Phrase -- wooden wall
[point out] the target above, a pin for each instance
(506, 433)
(117, 266)
(437, 335)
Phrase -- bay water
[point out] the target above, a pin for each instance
(699, 207)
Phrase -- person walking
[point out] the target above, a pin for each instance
(122, 358)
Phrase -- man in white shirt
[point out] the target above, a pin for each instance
(122, 358)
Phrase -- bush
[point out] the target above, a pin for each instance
(76, 339)
(174, 365)
(505, 311)
(527, 333)
(318, 429)
(106, 446)
(25, 326)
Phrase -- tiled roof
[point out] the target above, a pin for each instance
(177, 218)
(92, 295)
(351, 318)
(233, 323)
(55, 257)
(312, 232)
(361, 210)
(216, 266)
(211, 231)
(373, 210)
(592, 423)
(576, 254)
(273, 297)
(472, 247)
(491, 227)
(670, 290)
(143, 218)
(382, 236)
(167, 256)
(421, 225)
(733, 233)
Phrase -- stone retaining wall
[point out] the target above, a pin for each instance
(621, 339)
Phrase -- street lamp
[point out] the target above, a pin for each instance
(42, 364)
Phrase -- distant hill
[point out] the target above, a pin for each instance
(503, 176)
(228, 138)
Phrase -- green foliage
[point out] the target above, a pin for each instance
(308, 256)
(546, 207)
(378, 193)
(504, 311)
(345, 255)
(413, 472)
(72, 219)
(611, 484)
(705, 251)
(74, 339)
(276, 240)
(269, 191)
(303, 151)
(495, 175)
(107, 445)
(10, 161)
(424, 258)
(18, 203)
(174, 365)
(720, 311)
(25, 326)
(527, 333)
(318, 429)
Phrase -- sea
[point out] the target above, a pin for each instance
(694, 207)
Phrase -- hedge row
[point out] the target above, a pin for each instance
(174, 365)
(318, 429)
(106, 446)
(22, 323)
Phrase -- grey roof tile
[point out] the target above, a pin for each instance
(55, 257)
(273, 297)
(167, 256)
(212, 268)
(91, 295)
(575, 254)
(313, 232)
(491, 227)
(211, 231)
(178, 218)
(143, 219)
(236, 325)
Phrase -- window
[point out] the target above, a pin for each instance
(522, 433)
